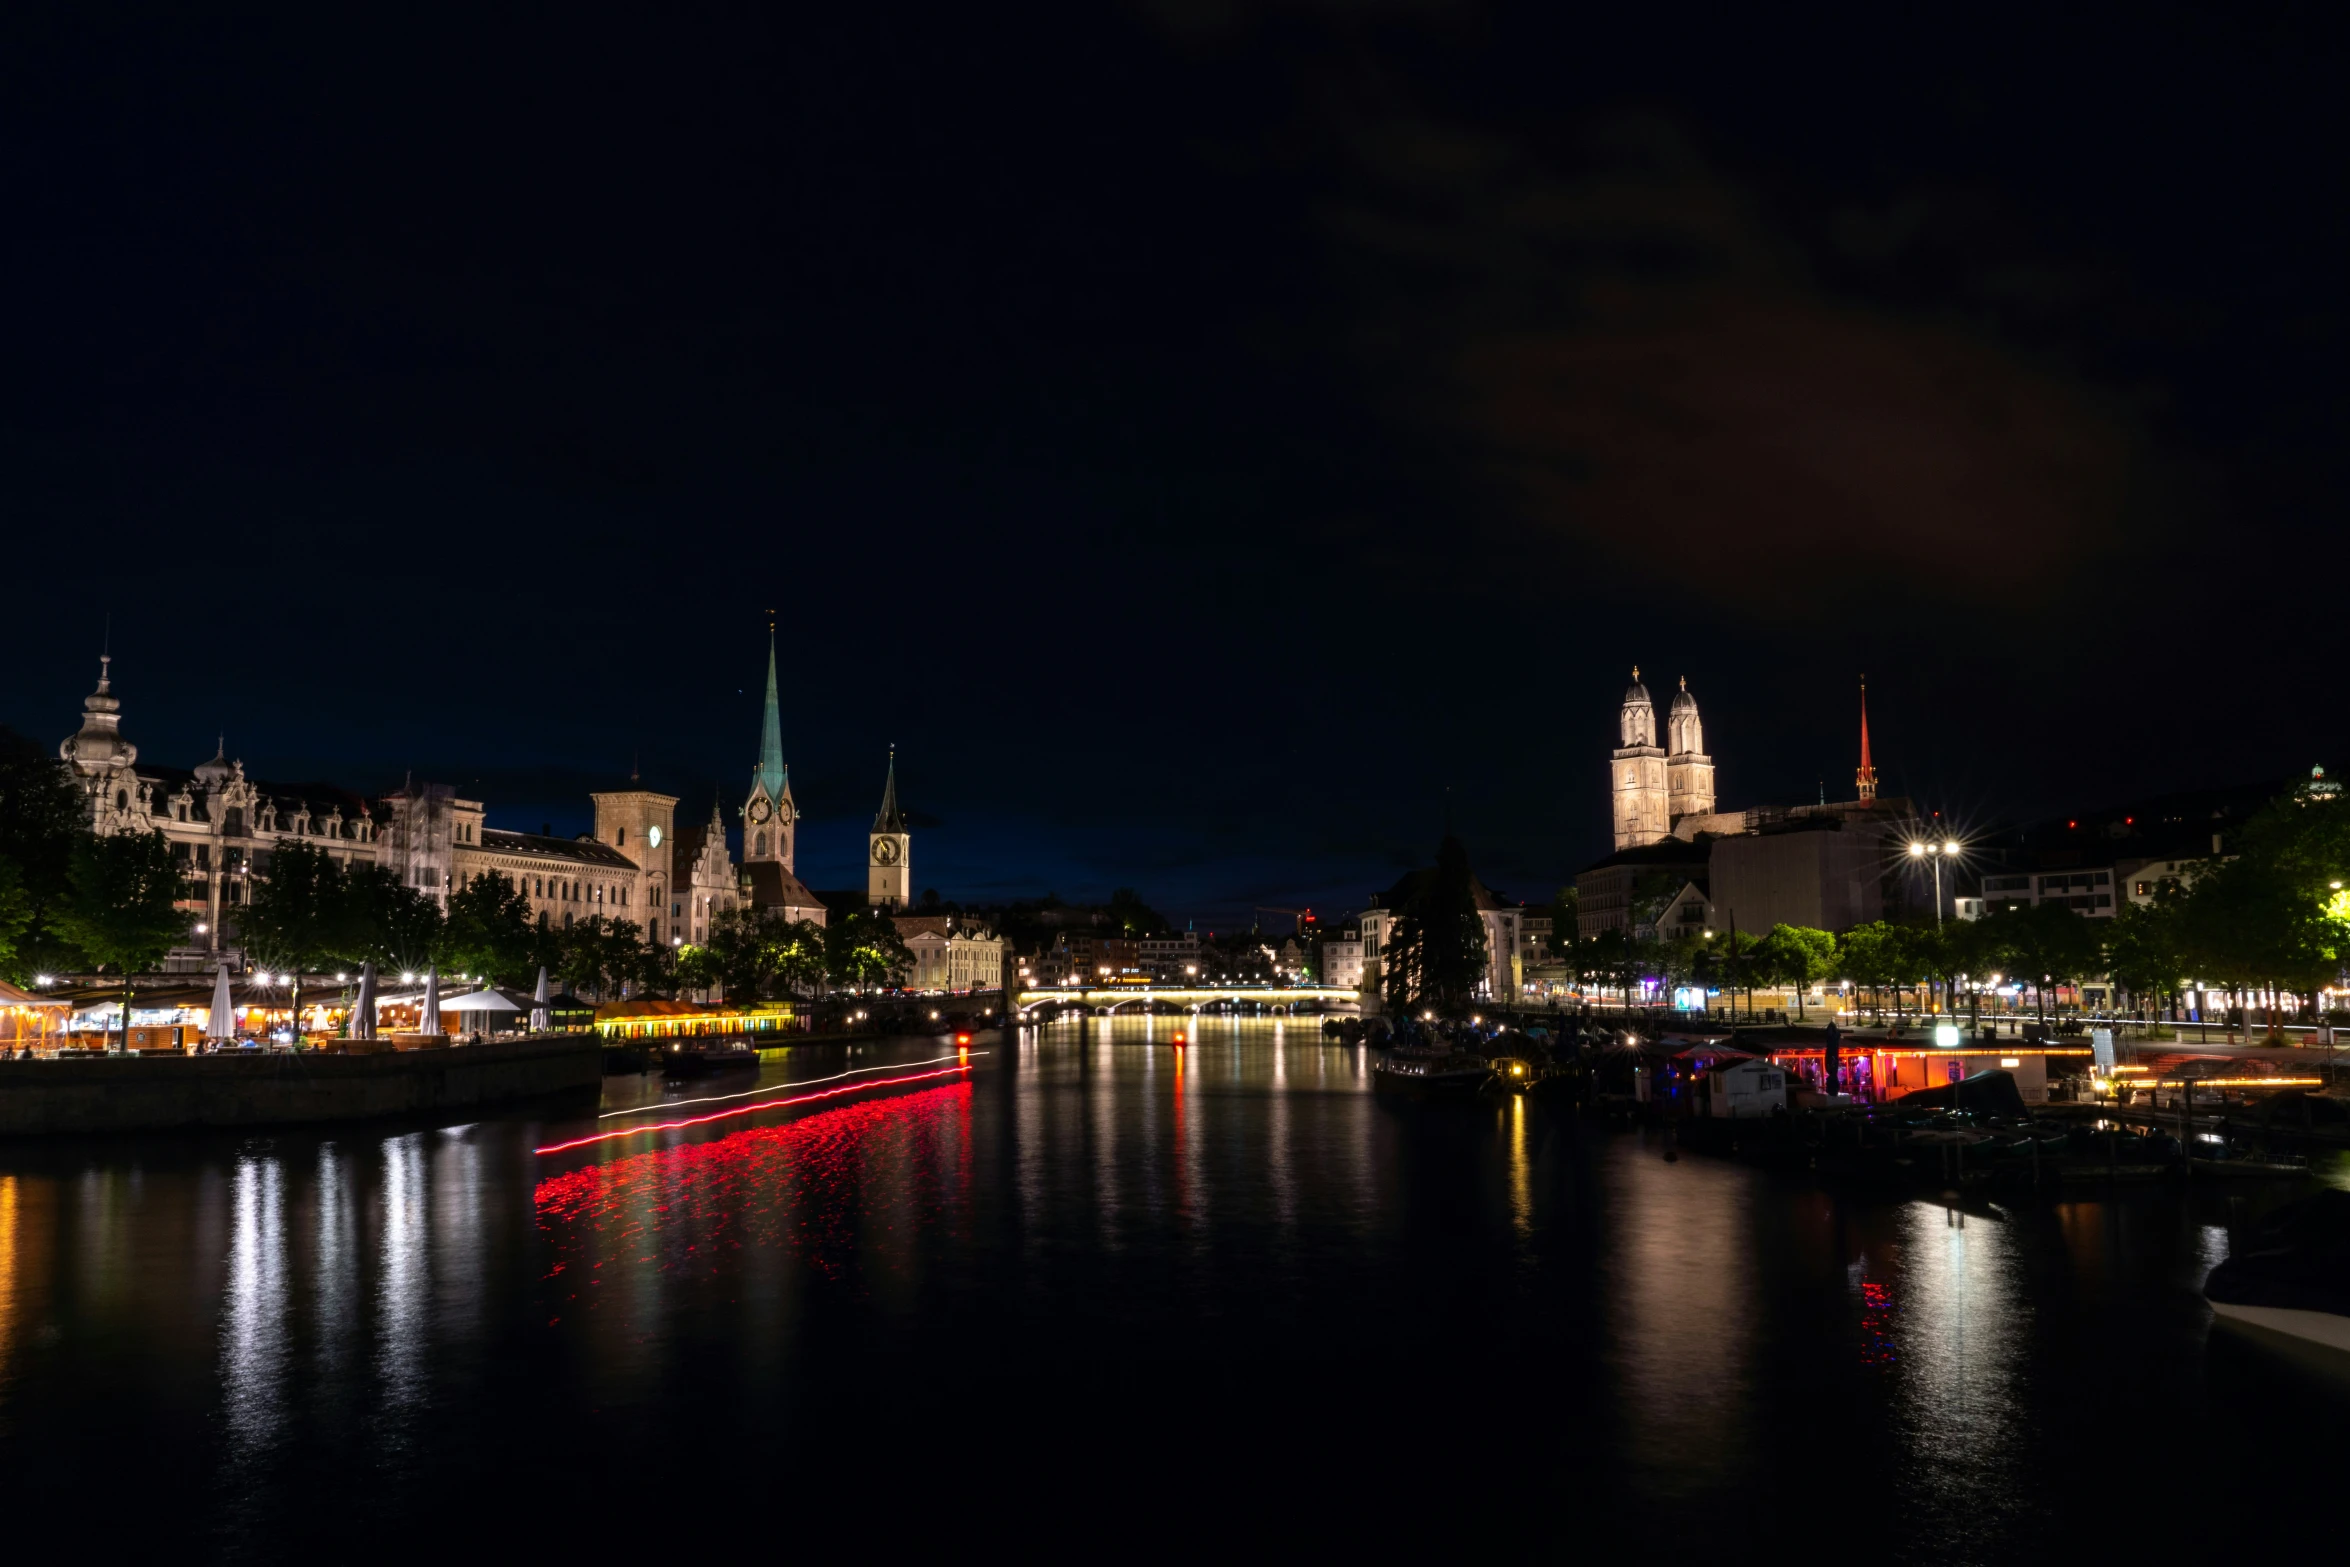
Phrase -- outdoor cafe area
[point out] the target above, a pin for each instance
(257, 1013)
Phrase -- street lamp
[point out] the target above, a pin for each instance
(1935, 853)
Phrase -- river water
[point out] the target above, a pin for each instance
(1104, 1296)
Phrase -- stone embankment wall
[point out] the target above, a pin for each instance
(139, 1094)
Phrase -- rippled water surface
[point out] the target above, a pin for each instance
(1101, 1295)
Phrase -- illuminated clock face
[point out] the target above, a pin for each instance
(885, 851)
(653, 836)
(759, 809)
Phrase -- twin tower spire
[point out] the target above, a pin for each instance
(1653, 788)
(1656, 790)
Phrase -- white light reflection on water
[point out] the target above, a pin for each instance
(253, 1318)
(338, 1261)
(1282, 1177)
(1959, 1326)
(402, 1306)
(1102, 1126)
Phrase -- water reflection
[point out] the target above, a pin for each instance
(1959, 1326)
(403, 1277)
(846, 1191)
(1233, 1249)
(8, 1284)
(1680, 1278)
(253, 1314)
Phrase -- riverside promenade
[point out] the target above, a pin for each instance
(147, 1094)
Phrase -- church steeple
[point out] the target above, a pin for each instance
(888, 867)
(771, 766)
(888, 818)
(769, 816)
(1867, 776)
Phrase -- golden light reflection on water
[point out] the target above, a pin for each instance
(7, 1268)
(1681, 1264)
(1521, 1170)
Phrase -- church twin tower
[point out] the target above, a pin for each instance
(771, 819)
(1655, 786)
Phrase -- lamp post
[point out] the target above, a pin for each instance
(1935, 854)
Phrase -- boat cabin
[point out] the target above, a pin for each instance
(1743, 1089)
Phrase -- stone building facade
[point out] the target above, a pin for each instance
(224, 827)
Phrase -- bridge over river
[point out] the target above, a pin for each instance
(1262, 1000)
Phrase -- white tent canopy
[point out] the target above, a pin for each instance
(480, 1001)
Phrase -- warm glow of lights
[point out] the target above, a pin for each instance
(773, 1104)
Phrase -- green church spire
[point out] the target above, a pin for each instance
(771, 769)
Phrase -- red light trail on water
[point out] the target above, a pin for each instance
(772, 1104)
(779, 1088)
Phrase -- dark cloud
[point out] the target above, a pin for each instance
(1643, 368)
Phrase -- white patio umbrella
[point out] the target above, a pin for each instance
(222, 1024)
(428, 1019)
(363, 1007)
(538, 1012)
(481, 1003)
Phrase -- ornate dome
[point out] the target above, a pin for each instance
(98, 744)
(1637, 694)
(1684, 702)
(218, 771)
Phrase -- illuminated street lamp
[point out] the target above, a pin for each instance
(1935, 854)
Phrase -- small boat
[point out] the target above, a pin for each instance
(1431, 1074)
(2292, 1274)
(709, 1059)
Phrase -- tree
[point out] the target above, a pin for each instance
(1436, 952)
(1566, 927)
(299, 916)
(1796, 955)
(16, 917)
(2143, 953)
(600, 955)
(862, 947)
(118, 906)
(393, 924)
(796, 953)
(42, 819)
(2047, 943)
(1864, 959)
(1131, 917)
(489, 929)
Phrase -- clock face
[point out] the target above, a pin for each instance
(885, 851)
(759, 809)
(653, 836)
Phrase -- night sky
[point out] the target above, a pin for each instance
(1198, 435)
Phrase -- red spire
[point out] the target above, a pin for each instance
(1867, 776)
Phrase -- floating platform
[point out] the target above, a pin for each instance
(149, 1094)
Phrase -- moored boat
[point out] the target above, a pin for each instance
(1431, 1074)
(2292, 1274)
(708, 1058)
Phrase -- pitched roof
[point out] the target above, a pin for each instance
(773, 887)
(577, 850)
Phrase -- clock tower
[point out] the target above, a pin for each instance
(770, 819)
(889, 850)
